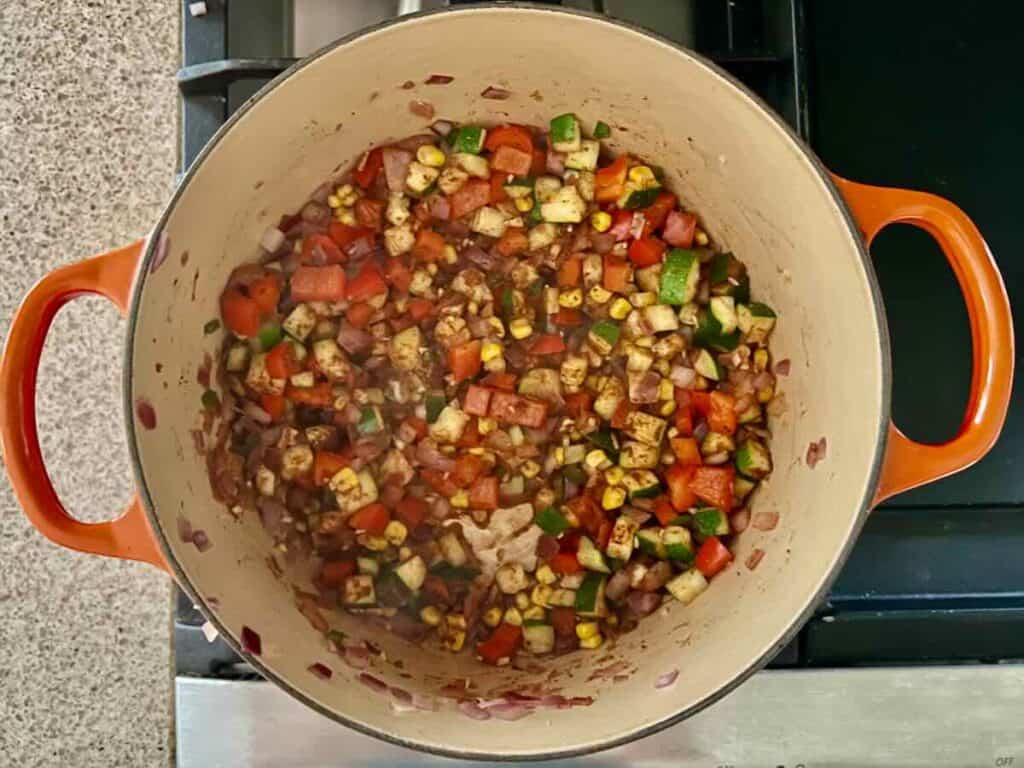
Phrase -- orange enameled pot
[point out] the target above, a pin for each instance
(759, 191)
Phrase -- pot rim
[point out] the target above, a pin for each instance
(739, 677)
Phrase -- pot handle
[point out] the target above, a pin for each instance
(909, 464)
(129, 536)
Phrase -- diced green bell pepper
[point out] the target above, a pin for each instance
(551, 521)
(470, 139)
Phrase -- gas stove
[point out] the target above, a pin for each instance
(927, 617)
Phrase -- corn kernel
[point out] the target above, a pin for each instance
(430, 615)
(545, 575)
(642, 176)
(333, 201)
(644, 341)
(524, 204)
(374, 543)
(571, 299)
(600, 221)
(345, 216)
(665, 390)
(514, 617)
(673, 432)
(592, 643)
(473, 307)
(643, 299)
(765, 394)
(516, 433)
(460, 500)
(536, 613)
(663, 366)
(350, 199)
(597, 459)
(486, 426)
(614, 476)
(559, 455)
(343, 191)
(613, 497)
(344, 479)
(667, 408)
(430, 155)
(395, 532)
(520, 328)
(404, 554)
(587, 629)
(620, 309)
(497, 327)
(450, 254)
(432, 268)
(492, 617)
(599, 295)
(530, 469)
(489, 351)
(497, 365)
(541, 594)
(761, 360)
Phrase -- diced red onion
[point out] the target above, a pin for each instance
(642, 603)
(429, 456)
(601, 242)
(353, 340)
(547, 547)
(184, 530)
(682, 377)
(439, 207)
(396, 167)
(421, 108)
(717, 458)
(471, 710)
(146, 413)
(617, 585)
(163, 247)
(701, 431)
(321, 670)
(439, 79)
(493, 92)
(315, 213)
(272, 240)
(638, 515)
(555, 162)
(739, 520)
(209, 631)
(254, 412)
(816, 452)
(636, 225)
(763, 379)
(251, 642)
(373, 683)
(766, 520)
(486, 260)
(667, 679)
(554, 700)
(442, 127)
(754, 558)
(357, 656)
(201, 540)
(782, 367)
(657, 576)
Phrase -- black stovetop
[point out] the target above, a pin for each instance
(915, 94)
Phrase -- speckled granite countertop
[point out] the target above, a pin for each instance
(88, 114)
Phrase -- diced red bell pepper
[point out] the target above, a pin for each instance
(680, 228)
(417, 425)
(343, 235)
(686, 451)
(266, 291)
(540, 162)
(398, 275)
(241, 314)
(367, 171)
(429, 246)
(370, 213)
(319, 395)
(411, 511)
(513, 242)
(548, 344)
(516, 136)
(359, 314)
(622, 225)
(570, 271)
(714, 486)
(722, 414)
(468, 468)
(475, 193)
(281, 362)
(483, 494)
(477, 400)
(326, 464)
(510, 408)
(684, 421)
(680, 494)
(321, 249)
(439, 481)
(712, 557)
(471, 436)
(318, 283)
(617, 274)
(656, 213)
(503, 381)
(373, 518)
(420, 308)
(367, 284)
(646, 251)
(334, 572)
(700, 401)
(565, 563)
(502, 643)
(588, 512)
(664, 511)
(464, 360)
(511, 160)
(578, 403)
(610, 180)
(275, 405)
(498, 194)
(567, 318)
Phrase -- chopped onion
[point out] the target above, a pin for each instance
(636, 225)
(442, 127)
(272, 240)
(754, 558)
(763, 379)
(782, 367)
(373, 683)
(421, 108)
(555, 162)
(353, 340)
(429, 456)
(602, 242)
(321, 670)
(667, 679)
(493, 92)
(471, 710)
(766, 520)
(682, 377)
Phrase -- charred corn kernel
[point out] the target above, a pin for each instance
(699, 382)
(497, 326)
(587, 629)
(643, 299)
(536, 613)
(571, 299)
(761, 360)
(450, 254)
(430, 615)
(644, 341)
(520, 328)
(522, 600)
(460, 500)
(612, 620)
(489, 351)
(541, 594)
(530, 469)
(700, 237)
(375, 543)
(597, 459)
(486, 426)
(665, 390)
(333, 201)
(559, 455)
(516, 433)
(524, 204)
(345, 216)
(514, 617)
(492, 616)
(344, 479)
(430, 155)
(432, 268)
(765, 394)
(545, 575)
(620, 309)
(600, 221)
(642, 176)
(395, 533)
(404, 554)
(592, 643)
(613, 497)
(614, 476)
(667, 408)
(599, 295)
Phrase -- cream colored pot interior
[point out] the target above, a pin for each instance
(758, 195)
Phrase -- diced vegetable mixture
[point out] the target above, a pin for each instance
(500, 386)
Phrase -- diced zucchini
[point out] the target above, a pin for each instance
(520, 186)
(742, 487)
(542, 384)
(645, 428)
(649, 541)
(584, 181)
(368, 565)
(354, 498)
(564, 597)
(565, 133)
(603, 336)
(752, 414)
(724, 310)
(687, 586)
(238, 358)
(756, 322)
(450, 425)
(591, 557)
(300, 322)
(707, 366)
(546, 187)
(434, 403)
(689, 314)
(620, 544)
(710, 521)
(330, 359)
(488, 221)
(717, 442)
(452, 550)
(678, 543)
(638, 456)
(710, 334)
(542, 235)
(474, 165)
(469, 138)
(607, 402)
(753, 459)
(539, 638)
(590, 596)
(420, 177)
(633, 197)
(584, 158)
(359, 590)
(412, 572)
(259, 378)
(642, 484)
(680, 276)
(661, 317)
(566, 207)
